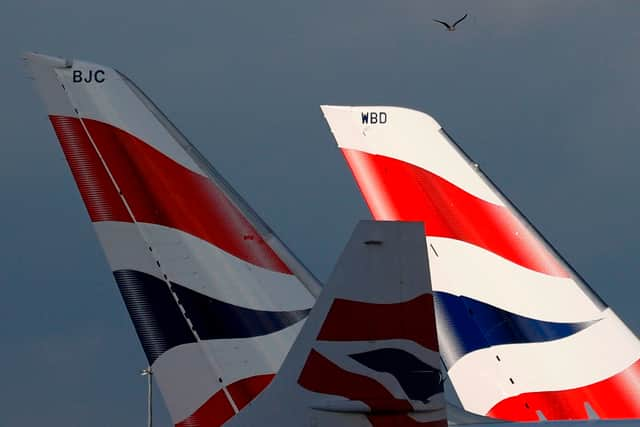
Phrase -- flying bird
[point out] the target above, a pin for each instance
(452, 27)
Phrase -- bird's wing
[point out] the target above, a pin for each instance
(461, 19)
(443, 23)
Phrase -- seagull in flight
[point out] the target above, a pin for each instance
(452, 27)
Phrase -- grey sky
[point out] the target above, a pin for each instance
(543, 94)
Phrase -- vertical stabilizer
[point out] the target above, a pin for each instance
(520, 332)
(368, 354)
(216, 299)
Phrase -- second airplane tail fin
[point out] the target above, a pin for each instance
(519, 330)
(216, 299)
(368, 354)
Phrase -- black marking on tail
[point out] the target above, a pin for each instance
(159, 323)
(419, 380)
(214, 319)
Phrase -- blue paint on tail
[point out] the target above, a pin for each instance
(466, 325)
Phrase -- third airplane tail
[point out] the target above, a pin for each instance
(368, 354)
(521, 334)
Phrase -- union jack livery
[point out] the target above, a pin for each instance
(521, 334)
(368, 354)
(216, 299)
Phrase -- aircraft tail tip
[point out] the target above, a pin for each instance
(46, 60)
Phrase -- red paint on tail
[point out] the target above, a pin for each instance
(615, 397)
(213, 413)
(157, 189)
(358, 321)
(323, 376)
(396, 190)
(100, 196)
(244, 391)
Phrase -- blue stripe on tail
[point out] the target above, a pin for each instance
(466, 325)
(161, 325)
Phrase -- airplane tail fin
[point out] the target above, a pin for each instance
(216, 299)
(520, 332)
(368, 354)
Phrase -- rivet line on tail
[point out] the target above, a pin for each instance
(147, 240)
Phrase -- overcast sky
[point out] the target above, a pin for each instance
(543, 94)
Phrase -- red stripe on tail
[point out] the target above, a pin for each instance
(100, 196)
(323, 376)
(217, 410)
(244, 391)
(358, 321)
(157, 189)
(396, 190)
(611, 398)
(213, 413)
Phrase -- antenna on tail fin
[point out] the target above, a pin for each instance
(368, 354)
